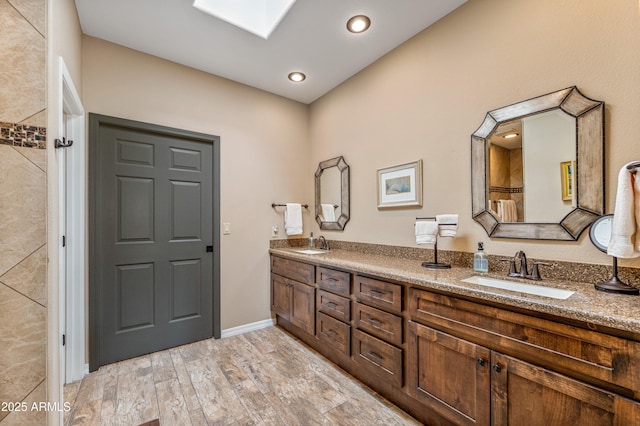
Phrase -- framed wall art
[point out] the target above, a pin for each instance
(400, 186)
(566, 175)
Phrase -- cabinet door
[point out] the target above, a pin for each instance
(449, 375)
(303, 306)
(280, 296)
(525, 394)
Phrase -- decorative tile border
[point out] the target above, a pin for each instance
(23, 135)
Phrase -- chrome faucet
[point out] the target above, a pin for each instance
(524, 270)
(324, 245)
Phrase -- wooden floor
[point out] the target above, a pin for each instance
(263, 377)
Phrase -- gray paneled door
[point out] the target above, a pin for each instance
(153, 239)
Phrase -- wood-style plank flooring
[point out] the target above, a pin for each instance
(263, 377)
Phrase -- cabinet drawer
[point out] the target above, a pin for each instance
(589, 355)
(336, 306)
(379, 323)
(334, 281)
(380, 294)
(377, 357)
(298, 271)
(334, 332)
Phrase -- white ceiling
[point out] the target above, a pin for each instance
(311, 38)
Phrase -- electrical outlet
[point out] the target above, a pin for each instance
(226, 228)
(274, 231)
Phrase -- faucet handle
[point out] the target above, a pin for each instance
(535, 273)
(512, 266)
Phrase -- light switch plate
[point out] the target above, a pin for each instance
(226, 228)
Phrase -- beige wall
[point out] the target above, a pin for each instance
(427, 97)
(264, 153)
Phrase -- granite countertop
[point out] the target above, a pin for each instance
(619, 312)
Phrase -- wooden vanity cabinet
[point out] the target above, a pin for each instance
(333, 315)
(377, 334)
(449, 375)
(451, 361)
(293, 292)
(457, 366)
(526, 394)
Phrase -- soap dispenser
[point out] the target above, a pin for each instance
(480, 260)
(312, 241)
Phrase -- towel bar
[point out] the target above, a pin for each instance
(274, 205)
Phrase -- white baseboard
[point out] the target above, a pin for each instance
(234, 331)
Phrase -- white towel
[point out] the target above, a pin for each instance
(624, 241)
(293, 219)
(426, 231)
(328, 213)
(448, 224)
(507, 210)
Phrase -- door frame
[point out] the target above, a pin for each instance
(72, 226)
(95, 123)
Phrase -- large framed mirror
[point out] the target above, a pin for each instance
(537, 167)
(332, 194)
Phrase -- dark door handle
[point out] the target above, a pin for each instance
(209, 249)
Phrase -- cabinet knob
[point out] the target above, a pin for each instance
(481, 362)
(497, 368)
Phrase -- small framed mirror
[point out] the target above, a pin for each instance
(332, 194)
(600, 235)
(600, 232)
(537, 167)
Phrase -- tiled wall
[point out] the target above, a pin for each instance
(23, 290)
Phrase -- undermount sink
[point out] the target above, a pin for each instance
(311, 251)
(538, 290)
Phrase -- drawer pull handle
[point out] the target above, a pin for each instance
(376, 293)
(332, 279)
(332, 333)
(497, 368)
(332, 305)
(375, 356)
(481, 362)
(375, 322)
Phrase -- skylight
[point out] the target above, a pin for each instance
(259, 17)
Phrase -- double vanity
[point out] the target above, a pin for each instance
(452, 347)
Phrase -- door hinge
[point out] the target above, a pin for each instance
(64, 241)
(64, 339)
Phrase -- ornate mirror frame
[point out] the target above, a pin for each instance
(589, 168)
(343, 167)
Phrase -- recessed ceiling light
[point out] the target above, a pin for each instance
(297, 76)
(358, 24)
(510, 135)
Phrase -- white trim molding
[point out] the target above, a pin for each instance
(241, 329)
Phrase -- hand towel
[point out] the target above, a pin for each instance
(447, 224)
(624, 240)
(426, 231)
(293, 219)
(328, 213)
(508, 210)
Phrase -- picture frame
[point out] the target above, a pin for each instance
(400, 186)
(566, 180)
